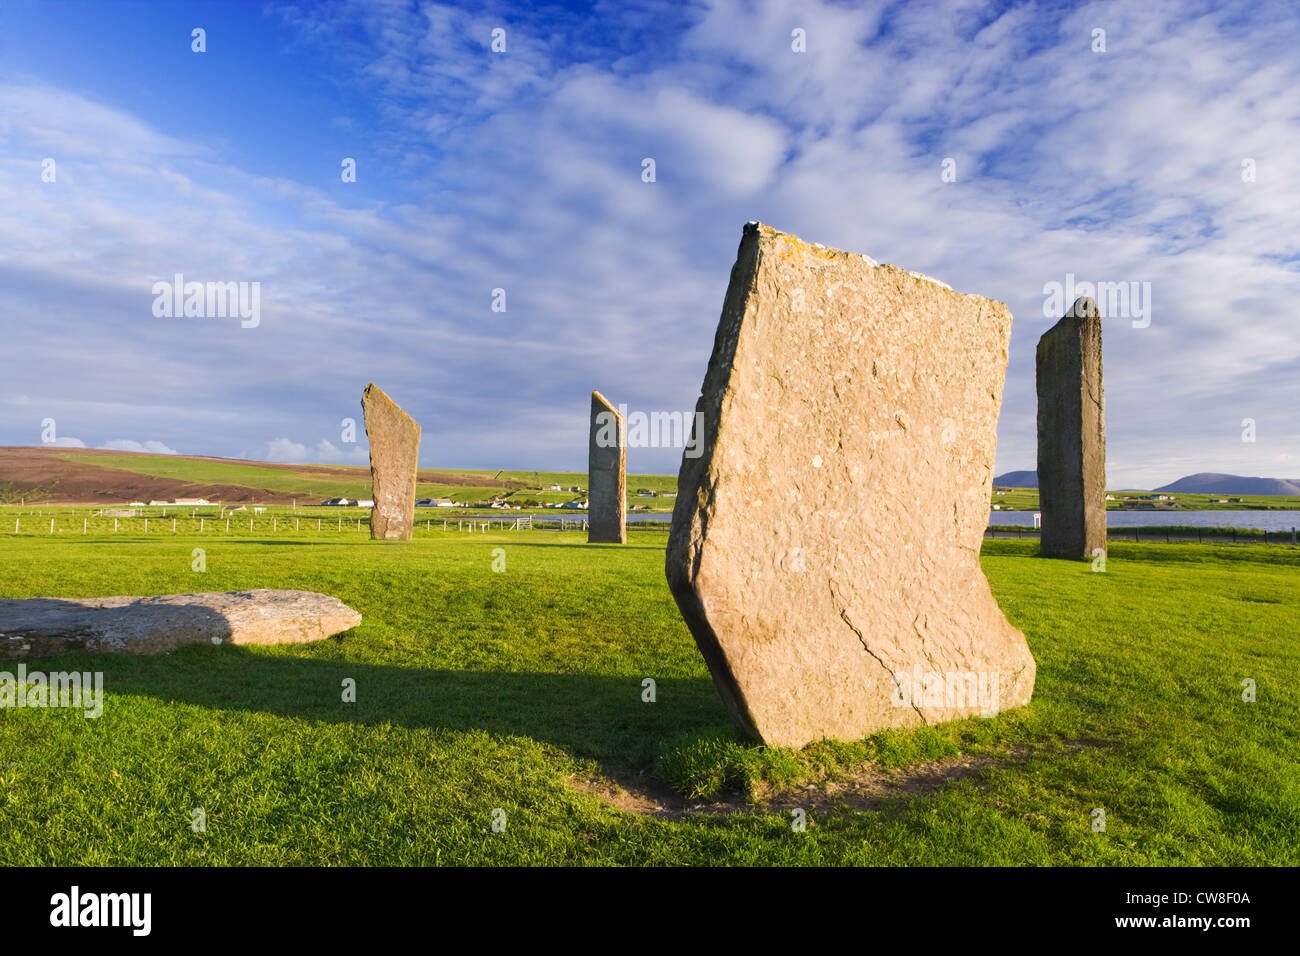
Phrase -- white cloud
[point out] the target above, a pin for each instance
(328, 454)
(67, 441)
(152, 447)
(324, 453)
(284, 450)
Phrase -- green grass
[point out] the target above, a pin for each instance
(1016, 499)
(479, 690)
(535, 480)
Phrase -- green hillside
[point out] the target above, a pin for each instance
(259, 481)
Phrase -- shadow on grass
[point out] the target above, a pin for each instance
(591, 716)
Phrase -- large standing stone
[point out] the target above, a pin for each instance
(606, 476)
(1072, 435)
(394, 458)
(43, 627)
(825, 545)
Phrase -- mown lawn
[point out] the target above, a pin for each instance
(480, 690)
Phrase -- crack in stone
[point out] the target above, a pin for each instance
(844, 616)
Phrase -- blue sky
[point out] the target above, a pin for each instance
(522, 171)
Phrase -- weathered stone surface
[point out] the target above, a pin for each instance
(394, 458)
(42, 627)
(606, 477)
(825, 545)
(1072, 435)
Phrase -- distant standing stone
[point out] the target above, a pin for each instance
(394, 458)
(1072, 435)
(825, 544)
(606, 477)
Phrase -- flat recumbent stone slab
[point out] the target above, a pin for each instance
(43, 627)
(825, 545)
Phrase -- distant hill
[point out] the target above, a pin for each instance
(1017, 479)
(1204, 483)
(1209, 483)
(55, 474)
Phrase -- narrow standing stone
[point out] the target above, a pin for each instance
(606, 479)
(394, 457)
(1072, 435)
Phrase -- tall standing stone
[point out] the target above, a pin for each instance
(606, 477)
(825, 544)
(1072, 435)
(394, 458)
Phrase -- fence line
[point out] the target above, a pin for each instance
(484, 523)
(1181, 534)
(465, 523)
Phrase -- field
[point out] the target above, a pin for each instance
(1026, 499)
(517, 696)
(46, 476)
(54, 476)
